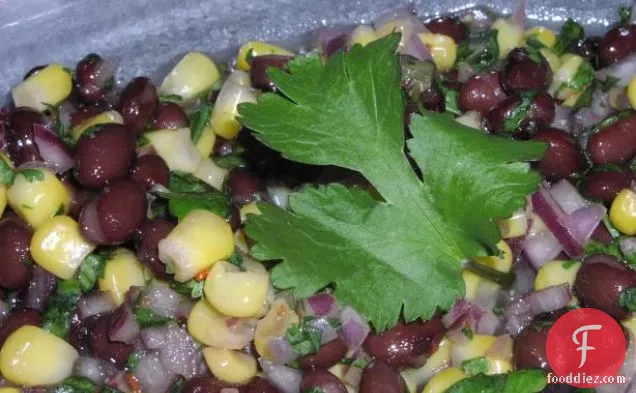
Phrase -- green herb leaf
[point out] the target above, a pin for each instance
(468, 332)
(143, 141)
(198, 120)
(65, 134)
(609, 83)
(593, 247)
(628, 299)
(583, 77)
(7, 174)
(171, 98)
(147, 318)
(31, 174)
(177, 387)
(569, 34)
(304, 338)
(568, 264)
(182, 203)
(191, 288)
(516, 117)
(523, 381)
(185, 182)
(314, 390)
(480, 50)
(624, 14)
(92, 268)
(236, 259)
(416, 238)
(533, 42)
(133, 361)
(585, 99)
(479, 365)
(76, 385)
(60, 307)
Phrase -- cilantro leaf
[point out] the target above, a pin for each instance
(92, 268)
(7, 174)
(628, 299)
(303, 338)
(583, 77)
(147, 318)
(476, 366)
(185, 182)
(60, 306)
(175, 98)
(570, 33)
(480, 50)
(191, 288)
(416, 237)
(198, 120)
(624, 14)
(519, 113)
(523, 381)
(76, 385)
(133, 360)
(189, 193)
(31, 174)
(609, 83)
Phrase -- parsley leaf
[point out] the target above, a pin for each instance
(76, 385)
(7, 174)
(191, 288)
(624, 14)
(609, 83)
(480, 50)
(628, 299)
(60, 306)
(479, 365)
(303, 338)
(185, 182)
(416, 238)
(31, 174)
(314, 390)
(568, 35)
(133, 360)
(519, 113)
(583, 77)
(171, 98)
(147, 318)
(522, 381)
(198, 120)
(65, 134)
(92, 268)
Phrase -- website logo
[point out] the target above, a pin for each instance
(587, 347)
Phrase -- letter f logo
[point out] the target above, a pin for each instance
(583, 344)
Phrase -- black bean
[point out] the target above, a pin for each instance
(258, 69)
(121, 209)
(169, 115)
(605, 185)
(20, 141)
(529, 347)
(148, 170)
(15, 254)
(328, 355)
(150, 233)
(137, 103)
(563, 158)
(614, 144)
(522, 72)
(324, 380)
(449, 26)
(380, 377)
(481, 92)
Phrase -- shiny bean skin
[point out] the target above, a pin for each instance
(539, 114)
(103, 347)
(605, 185)
(120, 210)
(148, 170)
(614, 144)
(521, 73)
(324, 380)
(563, 158)
(588, 49)
(406, 344)
(337, 44)
(258, 385)
(449, 26)
(258, 69)
(481, 92)
(203, 385)
(16, 320)
(149, 234)
(617, 44)
(79, 195)
(328, 355)
(245, 187)
(600, 283)
(19, 138)
(104, 156)
(137, 103)
(529, 347)
(78, 333)
(380, 377)
(169, 115)
(15, 254)
(86, 77)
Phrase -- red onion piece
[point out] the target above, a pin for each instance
(488, 323)
(95, 369)
(327, 36)
(89, 222)
(123, 325)
(584, 221)
(541, 248)
(52, 150)
(95, 303)
(516, 323)
(462, 312)
(549, 299)
(327, 332)
(282, 352)
(354, 329)
(627, 245)
(119, 381)
(178, 352)
(417, 49)
(42, 286)
(563, 118)
(152, 374)
(321, 304)
(622, 70)
(285, 379)
(153, 337)
(568, 197)
(524, 277)
(104, 73)
(161, 300)
(557, 222)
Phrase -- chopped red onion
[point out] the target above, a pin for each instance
(627, 245)
(524, 277)
(563, 118)
(321, 304)
(180, 354)
(488, 323)
(549, 299)
(161, 300)
(123, 325)
(152, 374)
(584, 221)
(461, 312)
(557, 222)
(95, 303)
(516, 323)
(622, 70)
(282, 352)
(42, 286)
(486, 295)
(541, 248)
(104, 72)
(52, 150)
(325, 35)
(416, 48)
(154, 337)
(354, 329)
(91, 227)
(119, 381)
(285, 379)
(568, 197)
(95, 369)
(327, 332)
(464, 72)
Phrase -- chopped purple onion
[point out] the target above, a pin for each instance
(95, 303)
(282, 352)
(354, 329)
(42, 286)
(123, 325)
(52, 149)
(321, 304)
(285, 379)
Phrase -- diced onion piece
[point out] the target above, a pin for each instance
(51, 85)
(210, 173)
(176, 149)
(285, 379)
(198, 241)
(225, 110)
(193, 75)
(509, 36)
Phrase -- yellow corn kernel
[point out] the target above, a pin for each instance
(211, 328)
(205, 144)
(569, 66)
(51, 85)
(363, 35)
(556, 273)
(631, 92)
(32, 356)
(3, 199)
(176, 149)
(543, 35)
(103, 118)
(210, 173)
(444, 380)
(225, 109)
(241, 241)
(553, 60)
(475, 347)
(501, 263)
(472, 282)
(509, 36)
(439, 360)
(199, 240)
(237, 293)
(250, 208)
(500, 360)
(193, 75)
(37, 195)
(630, 325)
(515, 226)
(443, 49)
(279, 318)
(230, 366)
(257, 48)
(623, 212)
(58, 246)
(123, 270)
(10, 390)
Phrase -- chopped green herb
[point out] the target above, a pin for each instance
(498, 310)
(177, 387)
(60, 307)
(229, 161)
(91, 131)
(236, 259)
(534, 54)
(92, 268)
(180, 204)
(426, 228)
(158, 207)
(199, 120)
(31, 174)
(61, 210)
(609, 83)
(65, 135)
(361, 362)
(76, 385)
(171, 98)
(519, 114)
(628, 299)
(479, 365)
(624, 14)
(147, 318)
(185, 182)
(29, 262)
(522, 381)
(570, 33)
(303, 338)
(468, 332)
(133, 361)
(143, 141)
(314, 390)
(480, 50)
(191, 288)
(7, 174)
(593, 247)
(450, 99)
(583, 77)
(533, 42)
(585, 99)
(568, 264)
